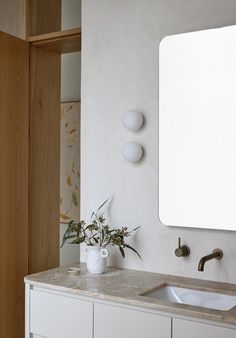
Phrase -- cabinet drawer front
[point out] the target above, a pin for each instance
(188, 329)
(56, 316)
(118, 322)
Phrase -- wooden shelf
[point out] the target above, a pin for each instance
(62, 42)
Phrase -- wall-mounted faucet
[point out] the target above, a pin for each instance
(216, 254)
(182, 250)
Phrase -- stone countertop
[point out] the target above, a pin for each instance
(126, 286)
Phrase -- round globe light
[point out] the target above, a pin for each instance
(133, 120)
(132, 152)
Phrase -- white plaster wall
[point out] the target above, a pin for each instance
(120, 72)
(70, 77)
(71, 14)
(69, 254)
(71, 63)
(11, 17)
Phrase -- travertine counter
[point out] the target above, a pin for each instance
(126, 286)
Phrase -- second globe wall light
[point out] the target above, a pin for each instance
(133, 121)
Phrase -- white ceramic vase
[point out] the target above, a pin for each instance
(96, 259)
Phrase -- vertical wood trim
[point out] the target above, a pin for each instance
(14, 109)
(44, 16)
(44, 192)
(25, 19)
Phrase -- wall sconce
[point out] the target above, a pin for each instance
(132, 152)
(133, 120)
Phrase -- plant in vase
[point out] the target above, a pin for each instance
(98, 236)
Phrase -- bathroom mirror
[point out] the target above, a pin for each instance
(197, 129)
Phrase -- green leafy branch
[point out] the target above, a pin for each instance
(97, 232)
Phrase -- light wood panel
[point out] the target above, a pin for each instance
(44, 193)
(14, 103)
(44, 16)
(62, 42)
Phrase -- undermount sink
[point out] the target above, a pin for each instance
(181, 295)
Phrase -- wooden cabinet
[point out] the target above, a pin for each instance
(30, 154)
(57, 316)
(44, 159)
(189, 329)
(117, 322)
(29, 172)
(14, 124)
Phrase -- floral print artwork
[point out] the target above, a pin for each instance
(70, 162)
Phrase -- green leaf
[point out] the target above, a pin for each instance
(102, 235)
(101, 219)
(103, 204)
(93, 214)
(78, 240)
(113, 230)
(71, 222)
(65, 238)
(122, 251)
(67, 233)
(91, 227)
(131, 248)
(63, 242)
(135, 229)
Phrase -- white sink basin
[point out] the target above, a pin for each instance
(211, 300)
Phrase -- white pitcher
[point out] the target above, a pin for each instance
(96, 259)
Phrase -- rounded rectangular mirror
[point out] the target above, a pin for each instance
(197, 129)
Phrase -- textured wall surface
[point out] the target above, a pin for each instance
(120, 72)
(70, 77)
(71, 14)
(11, 17)
(70, 91)
(70, 63)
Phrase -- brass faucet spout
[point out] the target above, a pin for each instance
(216, 254)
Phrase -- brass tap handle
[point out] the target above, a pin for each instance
(182, 250)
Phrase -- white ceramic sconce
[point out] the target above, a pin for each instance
(132, 152)
(133, 120)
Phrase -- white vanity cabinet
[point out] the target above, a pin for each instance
(54, 314)
(119, 322)
(58, 316)
(190, 329)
